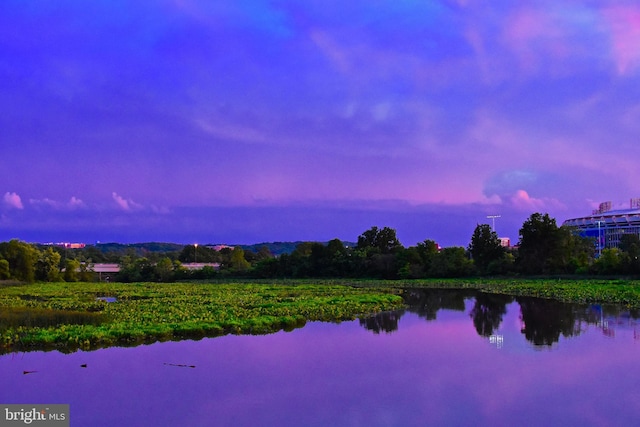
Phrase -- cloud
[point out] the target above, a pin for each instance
(125, 204)
(13, 200)
(625, 37)
(76, 202)
(521, 200)
(72, 204)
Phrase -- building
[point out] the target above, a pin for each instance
(108, 272)
(607, 226)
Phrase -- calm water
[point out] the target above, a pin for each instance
(452, 360)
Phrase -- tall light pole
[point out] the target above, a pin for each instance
(195, 253)
(599, 240)
(493, 221)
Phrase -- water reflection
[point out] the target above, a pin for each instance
(487, 312)
(387, 322)
(427, 302)
(442, 372)
(543, 321)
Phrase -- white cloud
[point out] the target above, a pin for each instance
(125, 204)
(73, 203)
(13, 200)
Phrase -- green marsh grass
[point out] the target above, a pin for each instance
(149, 312)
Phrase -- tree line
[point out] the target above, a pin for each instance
(544, 248)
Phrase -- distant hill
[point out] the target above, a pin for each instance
(276, 248)
(279, 248)
(139, 248)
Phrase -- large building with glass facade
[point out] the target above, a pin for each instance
(606, 226)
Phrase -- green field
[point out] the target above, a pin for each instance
(71, 316)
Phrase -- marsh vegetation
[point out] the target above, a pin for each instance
(69, 316)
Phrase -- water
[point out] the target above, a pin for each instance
(451, 360)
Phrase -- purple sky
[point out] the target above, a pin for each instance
(250, 121)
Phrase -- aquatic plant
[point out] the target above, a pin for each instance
(76, 315)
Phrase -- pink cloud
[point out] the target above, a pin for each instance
(521, 200)
(535, 35)
(13, 200)
(125, 204)
(625, 37)
(75, 202)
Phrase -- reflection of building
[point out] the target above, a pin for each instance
(498, 340)
(606, 226)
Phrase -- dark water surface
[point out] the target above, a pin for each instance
(453, 359)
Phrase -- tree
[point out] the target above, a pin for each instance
(539, 245)
(451, 262)
(576, 253)
(379, 241)
(630, 247)
(86, 272)
(164, 270)
(610, 261)
(71, 270)
(47, 268)
(546, 248)
(238, 263)
(4, 269)
(198, 253)
(263, 253)
(485, 247)
(21, 257)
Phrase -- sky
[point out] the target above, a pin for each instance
(247, 121)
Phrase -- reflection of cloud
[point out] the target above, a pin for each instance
(125, 204)
(13, 200)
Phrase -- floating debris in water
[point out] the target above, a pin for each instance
(180, 366)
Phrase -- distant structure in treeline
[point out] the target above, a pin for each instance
(607, 225)
(218, 248)
(66, 245)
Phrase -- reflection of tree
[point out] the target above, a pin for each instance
(426, 302)
(387, 322)
(544, 320)
(487, 312)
